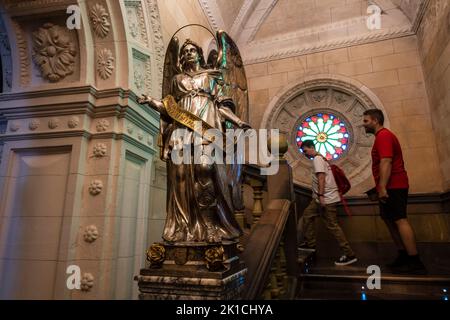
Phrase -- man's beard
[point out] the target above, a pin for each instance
(369, 130)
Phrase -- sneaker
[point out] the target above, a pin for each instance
(305, 247)
(345, 260)
(402, 258)
(413, 266)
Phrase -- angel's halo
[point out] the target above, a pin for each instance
(200, 34)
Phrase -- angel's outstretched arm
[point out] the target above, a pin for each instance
(155, 104)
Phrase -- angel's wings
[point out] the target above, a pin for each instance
(229, 61)
(171, 65)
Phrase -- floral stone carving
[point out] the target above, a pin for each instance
(54, 52)
(87, 282)
(100, 150)
(102, 125)
(95, 187)
(90, 233)
(73, 122)
(53, 123)
(34, 124)
(99, 19)
(105, 63)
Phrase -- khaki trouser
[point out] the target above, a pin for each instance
(328, 214)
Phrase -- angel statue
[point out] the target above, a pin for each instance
(201, 197)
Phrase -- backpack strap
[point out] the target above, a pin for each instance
(341, 196)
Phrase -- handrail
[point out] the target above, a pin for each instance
(277, 225)
(262, 246)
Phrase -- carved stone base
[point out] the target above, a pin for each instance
(184, 274)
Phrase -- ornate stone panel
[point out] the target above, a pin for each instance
(136, 21)
(141, 71)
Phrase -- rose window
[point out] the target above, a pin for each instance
(329, 133)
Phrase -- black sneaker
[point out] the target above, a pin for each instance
(345, 260)
(402, 258)
(305, 247)
(413, 266)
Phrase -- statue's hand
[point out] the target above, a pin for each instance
(153, 103)
(244, 125)
(144, 99)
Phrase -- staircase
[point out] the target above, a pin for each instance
(320, 280)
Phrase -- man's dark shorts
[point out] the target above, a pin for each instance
(395, 207)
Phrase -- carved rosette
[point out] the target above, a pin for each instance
(87, 282)
(34, 124)
(156, 255)
(100, 150)
(73, 122)
(130, 129)
(53, 123)
(14, 126)
(215, 258)
(54, 52)
(102, 125)
(100, 20)
(95, 187)
(105, 63)
(90, 233)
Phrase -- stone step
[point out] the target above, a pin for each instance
(352, 281)
(320, 279)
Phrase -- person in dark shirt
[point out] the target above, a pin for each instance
(392, 187)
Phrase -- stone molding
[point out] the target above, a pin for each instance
(292, 51)
(213, 14)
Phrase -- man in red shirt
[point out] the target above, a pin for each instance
(392, 186)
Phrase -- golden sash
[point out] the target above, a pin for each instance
(186, 118)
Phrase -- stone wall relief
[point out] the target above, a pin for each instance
(141, 72)
(54, 52)
(136, 21)
(24, 58)
(99, 18)
(157, 41)
(105, 63)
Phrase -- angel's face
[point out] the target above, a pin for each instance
(190, 54)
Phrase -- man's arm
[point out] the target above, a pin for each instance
(321, 186)
(385, 174)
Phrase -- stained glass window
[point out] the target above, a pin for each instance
(329, 133)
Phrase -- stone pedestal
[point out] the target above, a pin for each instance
(194, 271)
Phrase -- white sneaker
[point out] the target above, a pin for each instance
(345, 261)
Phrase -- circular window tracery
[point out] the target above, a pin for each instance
(329, 132)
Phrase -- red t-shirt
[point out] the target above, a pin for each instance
(387, 146)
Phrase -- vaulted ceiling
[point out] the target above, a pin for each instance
(272, 29)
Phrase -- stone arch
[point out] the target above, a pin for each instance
(343, 96)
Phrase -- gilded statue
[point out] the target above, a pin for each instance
(201, 197)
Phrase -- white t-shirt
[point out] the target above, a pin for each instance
(331, 190)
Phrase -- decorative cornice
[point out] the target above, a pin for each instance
(262, 56)
(158, 43)
(212, 12)
(23, 54)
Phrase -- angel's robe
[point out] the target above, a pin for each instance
(199, 196)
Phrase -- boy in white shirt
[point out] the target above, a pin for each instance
(324, 203)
